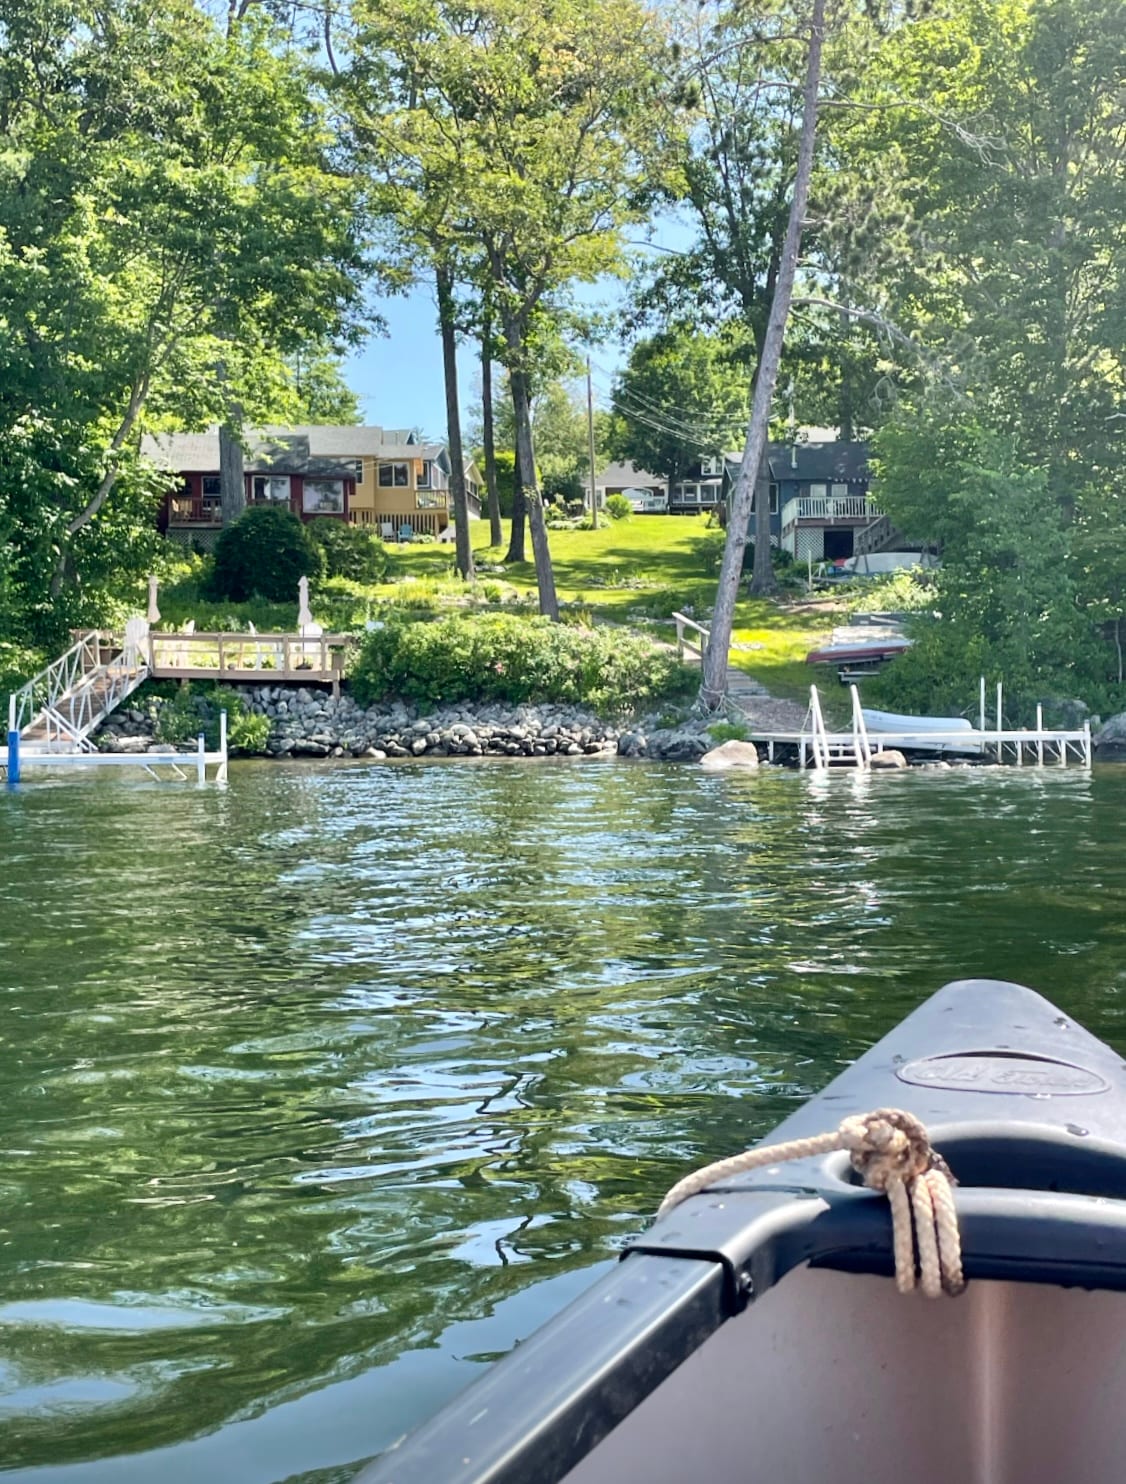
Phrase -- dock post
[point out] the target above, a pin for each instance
(981, 726)
(1087, 743)
(1000, 745)
(13, 756)
(201, 759)
(221, 775)
(1039, 734)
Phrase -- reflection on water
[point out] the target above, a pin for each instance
(324, 1089)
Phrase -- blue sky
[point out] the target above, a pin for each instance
(398, 376)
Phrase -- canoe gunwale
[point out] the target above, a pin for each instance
(1026, 1236)
(1029, 1107)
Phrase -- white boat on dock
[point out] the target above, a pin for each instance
(925, 733)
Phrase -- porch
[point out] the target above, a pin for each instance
(826, 527)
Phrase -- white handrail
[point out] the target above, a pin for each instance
(860, 744)
(820, 739)
(60, 676)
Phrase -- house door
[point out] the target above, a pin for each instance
(838, 543)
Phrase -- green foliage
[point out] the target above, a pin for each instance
(263, 555)
(682, 395)
(502, 657)
(17, 665)
(354, 552)
(193, 709)
(909, 590)
(728, 731)
(618, 507)
(172, 228)
(1004, 599)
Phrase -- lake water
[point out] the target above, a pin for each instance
(322, 1089)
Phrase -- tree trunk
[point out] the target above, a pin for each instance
(447, 326)
(526, 472)
(516, 551)
(232, 485)
(496, 532)
(713, 686)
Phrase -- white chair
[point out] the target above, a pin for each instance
(136, 643)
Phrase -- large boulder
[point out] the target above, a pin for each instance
(731, 754)
(891, 757)
(1111, 737)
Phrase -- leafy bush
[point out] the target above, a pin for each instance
(618, 507)
(502, 657)
(355, 552)
(728, 731)
(195, 709)
(264, 554)
(17, 666)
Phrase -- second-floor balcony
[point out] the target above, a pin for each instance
(826, 510)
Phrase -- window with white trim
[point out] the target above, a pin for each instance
(394, 476)
(423, 480)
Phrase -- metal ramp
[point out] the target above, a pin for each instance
(60, 707)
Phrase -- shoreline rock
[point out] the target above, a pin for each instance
(308, 723)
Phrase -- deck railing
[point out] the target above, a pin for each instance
(211, 656)
(829, 508)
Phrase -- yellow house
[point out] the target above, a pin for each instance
(402, 482)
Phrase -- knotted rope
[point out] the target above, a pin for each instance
(891, 1150)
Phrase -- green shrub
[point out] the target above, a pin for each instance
(504, 657)
(195, 709)
(728, 731)
(264, 554)
(355, 552)
(618, 507)
(17, 666)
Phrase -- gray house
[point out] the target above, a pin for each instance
(820, 504)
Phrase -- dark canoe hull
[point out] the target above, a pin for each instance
(754, 1334)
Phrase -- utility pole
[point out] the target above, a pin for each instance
(590, 440)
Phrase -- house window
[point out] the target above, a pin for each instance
(270, 489)
(774, 499)
(423, 480)
(713, 465)
(394, 476)
(212, 495)
(323, 497)
(838, 491)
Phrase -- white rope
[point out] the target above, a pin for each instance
(891, 1150)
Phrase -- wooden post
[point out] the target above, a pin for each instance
(222, 655)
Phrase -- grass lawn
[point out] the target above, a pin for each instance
(625, 572)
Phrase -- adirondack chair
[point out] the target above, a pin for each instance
(406, 532)
(136, 650)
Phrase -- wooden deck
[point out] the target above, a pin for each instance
(246, 659)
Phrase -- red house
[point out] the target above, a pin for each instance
(277, 469)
